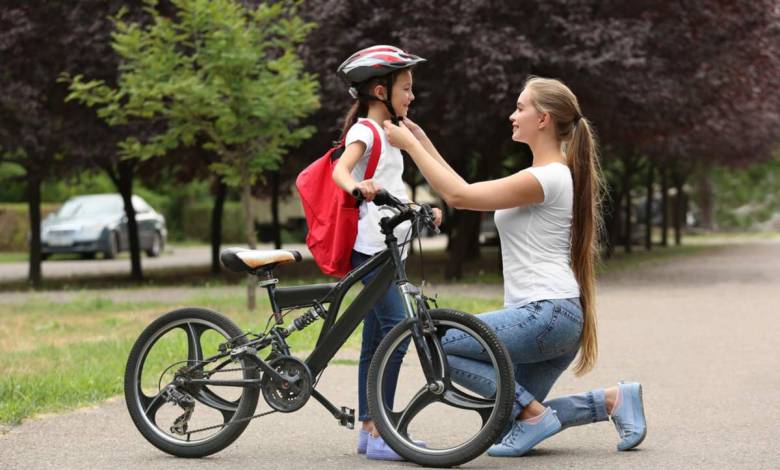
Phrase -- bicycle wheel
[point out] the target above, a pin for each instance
(166, 346)
(445, 425)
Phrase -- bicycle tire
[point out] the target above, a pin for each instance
(399, 441)
(134, 395)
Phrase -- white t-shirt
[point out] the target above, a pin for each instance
(536, 243)
(388, 175)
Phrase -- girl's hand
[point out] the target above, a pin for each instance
(417, 131)
(437, 215)
(399, 136)
(368, 188)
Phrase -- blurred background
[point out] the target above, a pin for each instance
(209, 110)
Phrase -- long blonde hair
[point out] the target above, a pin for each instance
(577, 136)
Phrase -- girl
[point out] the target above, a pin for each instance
(380, 79)
(547, 217)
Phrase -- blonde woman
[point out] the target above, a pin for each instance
(547, 217)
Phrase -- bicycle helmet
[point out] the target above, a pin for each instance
(375, 62)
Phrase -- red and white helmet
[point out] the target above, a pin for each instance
(375, 61)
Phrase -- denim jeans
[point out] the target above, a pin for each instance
(387, 312)
(542, 338)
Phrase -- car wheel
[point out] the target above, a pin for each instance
(89, 255)
(113, 246)
(45, 256)
(157, 246)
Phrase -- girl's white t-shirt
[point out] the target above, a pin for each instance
(388, 175)
(536, 241)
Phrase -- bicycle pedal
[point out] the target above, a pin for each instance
(347, 418)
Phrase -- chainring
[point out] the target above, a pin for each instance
(290, 395)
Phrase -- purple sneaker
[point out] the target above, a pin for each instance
(377, 449)
(362, 441)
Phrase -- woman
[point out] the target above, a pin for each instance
(547, 217)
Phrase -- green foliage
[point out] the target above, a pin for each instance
(745, 197)
(217, 73)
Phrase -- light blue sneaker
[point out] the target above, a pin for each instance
(629, 416)
(362, 441)
(524, 436)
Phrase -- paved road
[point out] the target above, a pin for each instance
(173, 257)
(700, 333)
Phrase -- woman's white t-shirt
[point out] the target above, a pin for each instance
(536, 241)
(388, 175)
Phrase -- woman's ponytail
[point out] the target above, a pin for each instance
(577, 135)
(582, 155)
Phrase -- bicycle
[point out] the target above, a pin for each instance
(213, 372)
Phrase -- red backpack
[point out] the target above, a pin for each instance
(332, 213)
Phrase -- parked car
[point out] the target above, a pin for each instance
(97, 224)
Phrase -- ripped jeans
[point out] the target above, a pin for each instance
(542, 338)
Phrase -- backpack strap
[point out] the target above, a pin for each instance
(376, 150)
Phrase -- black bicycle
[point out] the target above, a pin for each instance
(212, 372)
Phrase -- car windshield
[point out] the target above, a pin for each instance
(93, 206)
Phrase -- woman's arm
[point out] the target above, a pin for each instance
(342, 173)
(519, 189)
(427, 144)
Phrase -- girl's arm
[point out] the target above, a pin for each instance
(342, 173)
(519, 189)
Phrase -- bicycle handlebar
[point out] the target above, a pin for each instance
(384, 198)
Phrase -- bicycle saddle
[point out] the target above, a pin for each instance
(243, 260)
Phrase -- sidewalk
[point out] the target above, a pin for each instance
(700, 333)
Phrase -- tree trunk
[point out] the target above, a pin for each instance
(628, 170)
(34, 215)
(216, 225)
(679, 209)
(276, 224)
(251, 239)
(649, 206)
(612, 220)
(123, 179)
(465, 243)
(664, 207)
(705, 199)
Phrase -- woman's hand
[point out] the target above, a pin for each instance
(399, 136)
(368, 188)
(417, 131)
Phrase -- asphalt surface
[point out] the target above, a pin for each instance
(700, 333)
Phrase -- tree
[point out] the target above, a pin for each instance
(217, 71)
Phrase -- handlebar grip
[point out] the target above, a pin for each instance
(381, 198)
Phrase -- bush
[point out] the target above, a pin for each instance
(15, 225)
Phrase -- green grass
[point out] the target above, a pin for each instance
(13, 256)
(63, 355)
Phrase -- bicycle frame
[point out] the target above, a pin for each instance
(335, 331)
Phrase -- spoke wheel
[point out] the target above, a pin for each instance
(437, 422)
(162, 354)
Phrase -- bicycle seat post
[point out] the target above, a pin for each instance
(265, 278)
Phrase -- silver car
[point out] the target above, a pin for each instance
(97, 224)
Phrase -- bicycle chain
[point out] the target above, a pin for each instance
(240, 369)
(228, 424)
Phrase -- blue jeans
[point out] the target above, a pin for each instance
(543, 338)
(387, 312)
